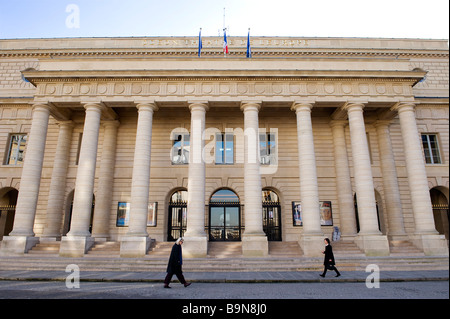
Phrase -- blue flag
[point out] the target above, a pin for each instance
(200, 45)
(249, 50)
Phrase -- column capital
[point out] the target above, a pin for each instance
(43, 106)
(111, 123)
(381, 123)
(68, 123)
(198, 105)
(298, 106)
(249, 105)
(337, 123)
(354, 106)
(149, 106)
(403, 106)
(94, 106)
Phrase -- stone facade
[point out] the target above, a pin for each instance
(101, 116)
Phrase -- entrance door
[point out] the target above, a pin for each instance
(224, 216)
(224, 223)
(177, 215)
(271, 215)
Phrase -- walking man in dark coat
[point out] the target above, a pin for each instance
(175, 263)
(328, 261)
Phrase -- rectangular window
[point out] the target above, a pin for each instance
(16, 149)
(268, 148)
(224, 148)
(431, 149)
(180, 149)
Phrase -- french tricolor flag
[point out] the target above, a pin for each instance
(225, 43)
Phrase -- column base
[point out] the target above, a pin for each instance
(17, 245)
(431, 244)
(255, 246)
(134, 247)
(75, 246)
(312, 245)
(373, 245)
(195, 247)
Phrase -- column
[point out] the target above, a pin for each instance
(426, 237)
(136, 242)
(196, 243)
(311, 239)
(102, 212)
(254, 241)
(343, 181)
(22, 239)
(369, 239)
(390, 182)
(78, 241)
(56, 196)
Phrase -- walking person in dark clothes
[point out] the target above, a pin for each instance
(328, 261)
(174, 266)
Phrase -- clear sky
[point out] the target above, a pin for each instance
(301, 18)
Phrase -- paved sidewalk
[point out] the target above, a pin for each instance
(227, 277)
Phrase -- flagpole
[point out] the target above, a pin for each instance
(200, 44)
(249, 50)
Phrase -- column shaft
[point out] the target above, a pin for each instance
(309, 189)
(140, 184)
(196, 179)
(55, 205)
(22, 239)
(343, 182)
(84, 186)
(100, 225)
(254, 239)
(252, 174)
(365, 191)
(390, 184)
(196, 244)
(31, 173)
(426, 237)
(137, 242)
(369, 238)
(417, 175)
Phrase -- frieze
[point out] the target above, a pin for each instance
(266, 89)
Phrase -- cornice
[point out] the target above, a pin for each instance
(214, 75)
(238, 53)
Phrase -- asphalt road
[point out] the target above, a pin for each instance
(329, 290)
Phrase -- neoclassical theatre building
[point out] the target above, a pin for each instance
(136, 140)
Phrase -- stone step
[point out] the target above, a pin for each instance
(404, 247)
(154, 264)
(105, 249)
(224, 249)
(288, 249)
(47, 248)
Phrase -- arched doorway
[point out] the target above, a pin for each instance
(440, 210)
(177, 215)
(8, 200)
(271, 215)
(224, 216)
